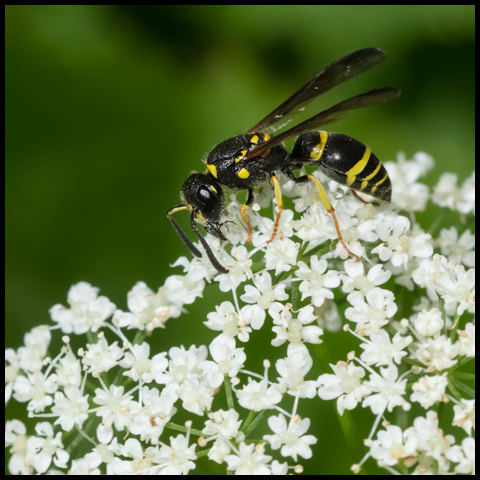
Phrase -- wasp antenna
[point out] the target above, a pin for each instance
(207, 248)
(185, 239)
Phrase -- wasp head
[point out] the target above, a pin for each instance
(205, 197)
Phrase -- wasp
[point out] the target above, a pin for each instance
(252, 159)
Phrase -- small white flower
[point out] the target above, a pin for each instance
(101, 357)
(429, 390)
(314, 225)
(291, 438)
(408, 194)
(356, 278)
(466, 339)
(196, 395)
(36, 389)
(114, 407)
(379, 349)
(148, 419)
(250, 460)
(281, 255)
(457, 288)
(180, 290)
(372, 312)
(46, 447)
(389, 446)
(238, 270)
(71, 408)
(223, 422)
(87, 310)
(345, 384)
(398, 246)
(464, 456)
(178, 458)
(428, 273)
(263, 293)
(294, 330)
(389, 390)
(429, 322)
(258, 396)
(148, 310)
(315, 282)
(447, 194)
(227, 360)
(426, 437)
(36, 343)
(183, 365)
(438, 353)
(139, 363)
(458, 250)
(465, 415)
(292, 371)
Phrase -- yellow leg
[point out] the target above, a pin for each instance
(278, 196)
(331, 211)
(246, 219)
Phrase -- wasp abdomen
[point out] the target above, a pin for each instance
(345, 160)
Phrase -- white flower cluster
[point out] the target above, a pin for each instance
(409, 302)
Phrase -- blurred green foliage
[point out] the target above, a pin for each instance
(109, 108)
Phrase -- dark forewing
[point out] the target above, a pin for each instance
(334, 74)
(333, 114)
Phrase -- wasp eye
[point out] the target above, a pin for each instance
(205, 193)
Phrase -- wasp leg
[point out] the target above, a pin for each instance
(361, 199)
(245, 217)
(326, 203)
(278, 196)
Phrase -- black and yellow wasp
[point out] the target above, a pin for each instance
(251, 160)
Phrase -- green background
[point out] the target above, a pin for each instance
(109, 108)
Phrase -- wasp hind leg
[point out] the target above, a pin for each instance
(326, 203)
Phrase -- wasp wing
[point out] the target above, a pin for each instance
(333, 114)
(334, 74)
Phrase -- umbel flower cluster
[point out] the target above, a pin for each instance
(407, 304)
